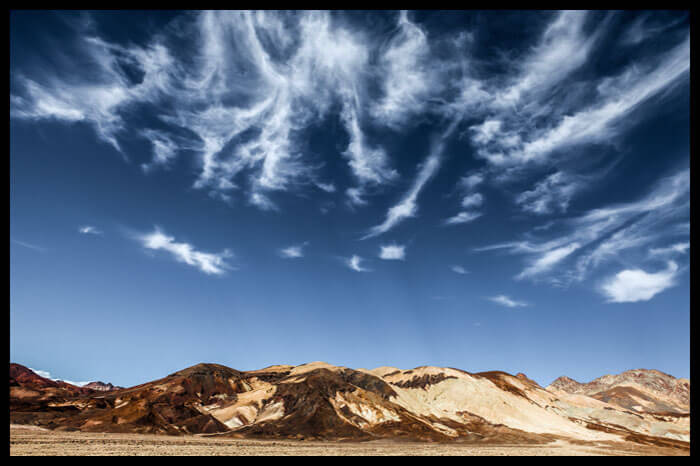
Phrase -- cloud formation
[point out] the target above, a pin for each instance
(293, 252)
(633, 285)
(392, 252)
(209, 263)
(89, 230)
(504, 300)
(599, 235)
(354, 263)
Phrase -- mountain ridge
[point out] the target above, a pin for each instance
(321, 401)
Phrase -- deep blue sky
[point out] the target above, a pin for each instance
(481, 190)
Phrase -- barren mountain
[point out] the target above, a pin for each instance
(321, 401)
(101, 386)
(641, 390)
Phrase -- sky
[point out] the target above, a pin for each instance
(480, 190)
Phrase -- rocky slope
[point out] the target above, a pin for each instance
(321, 401)
(641, 390)
(101, 386)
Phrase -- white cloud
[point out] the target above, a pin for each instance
(620, 95)
(89, 230)
(407, 207)
(209, 263)
(471, 181)
(327, 187)
(408, 76)
(29, 245)
(549, 195)
(47, 375)
(355, 264)
(392, 252)
(563, 48)
(548, 260)
(472, 200)
(678, 248)
(293, 252)
(463, 217)
(459, 269)
(504, 300)
(604, 233)
(164, 149)
(633, 285)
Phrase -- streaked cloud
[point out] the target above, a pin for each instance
(552, 194)
(28, 245)
(459, 269)
(407, 207)
(604, 233)
(504, 300)
(463, 217)
(633, 285)
(355, 262)
(89, 230)
(209, 263)
(678, 248)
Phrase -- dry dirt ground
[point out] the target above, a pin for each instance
(26, 440)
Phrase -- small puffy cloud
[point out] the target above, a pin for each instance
(209, 263)
(355, 264)
(459, 269)
(462, 217)
(633, 285)
(504, 300)
(392, 252)
(89, 230)
(470, 182)
(293, 252)
(472, 200)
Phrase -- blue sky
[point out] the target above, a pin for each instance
(481, 190)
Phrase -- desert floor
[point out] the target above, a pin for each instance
(27, 440)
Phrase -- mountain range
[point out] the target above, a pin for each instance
(322, 401)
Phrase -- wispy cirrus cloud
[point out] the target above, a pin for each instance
(459, 269)
(209, 263)
(410, 77)
(462, 217)
(604, 233)
(28, 245)
(633, 285)
(504, 300)
(355, 263)
(408, 206)
(552, 194)
(516, 142)
(678, 248)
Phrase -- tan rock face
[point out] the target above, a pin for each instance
(640, 389)
(322, 401)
